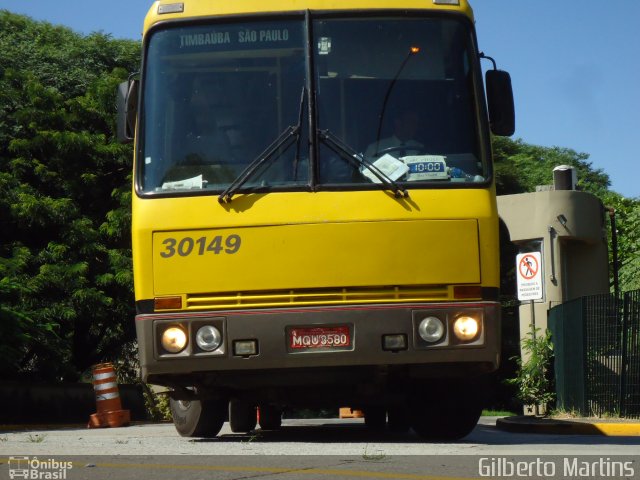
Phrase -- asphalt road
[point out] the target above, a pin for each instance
(331, 449)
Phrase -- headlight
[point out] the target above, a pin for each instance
(208, 338)
(431, 329)
(466, 328)
(174, 339)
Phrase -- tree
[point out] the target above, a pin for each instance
(66, 282)
(520, 167)
(627, 212)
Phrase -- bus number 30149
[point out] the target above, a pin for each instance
(199, 246)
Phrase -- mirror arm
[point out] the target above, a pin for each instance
(482, 55)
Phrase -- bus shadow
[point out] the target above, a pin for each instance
(327, 433)
(319, 433)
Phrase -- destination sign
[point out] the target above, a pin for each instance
(229, 37)
(214, 37)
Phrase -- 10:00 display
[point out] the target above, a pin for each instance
(188, 246)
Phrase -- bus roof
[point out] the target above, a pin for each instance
(207, 8)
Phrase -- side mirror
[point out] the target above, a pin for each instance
(502, 117)
(127, 109)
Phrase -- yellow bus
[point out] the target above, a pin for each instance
(314, 217)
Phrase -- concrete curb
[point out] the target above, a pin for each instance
(524, 424)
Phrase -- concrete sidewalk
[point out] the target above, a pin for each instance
(618, 427)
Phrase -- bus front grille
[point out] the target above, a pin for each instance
(322, 296)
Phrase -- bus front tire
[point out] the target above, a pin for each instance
(242, 416)
(198, 418)
(270, 417)
(399, 421)
(452, 420)
(375, 418)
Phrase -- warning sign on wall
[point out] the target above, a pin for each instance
(529, 275)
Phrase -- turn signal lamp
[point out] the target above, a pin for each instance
(167, 303)
(174, 339)
(467, 292)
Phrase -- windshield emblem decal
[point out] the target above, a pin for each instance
(324, 45)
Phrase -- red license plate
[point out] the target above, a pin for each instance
(319, 337)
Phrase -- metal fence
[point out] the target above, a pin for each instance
(597, 354)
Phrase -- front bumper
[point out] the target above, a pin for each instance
(271, 329)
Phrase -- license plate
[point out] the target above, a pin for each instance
(306, 338)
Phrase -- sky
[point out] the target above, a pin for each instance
(575, 67)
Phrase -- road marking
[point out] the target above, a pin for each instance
(273, 470)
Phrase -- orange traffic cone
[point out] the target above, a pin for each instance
(348, 412)
(109, 410)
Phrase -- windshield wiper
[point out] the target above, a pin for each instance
(279, 143)
(358, 160)
(282, 144)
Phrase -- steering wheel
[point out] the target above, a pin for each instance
(396, 148)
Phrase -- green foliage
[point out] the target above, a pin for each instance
(533, 379)
(58, 57)
(627, 213)
(520, 167)
(157, 404)
(65, 260)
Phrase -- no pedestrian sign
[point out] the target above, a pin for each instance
(529, 275)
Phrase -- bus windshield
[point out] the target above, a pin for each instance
(399, 93)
